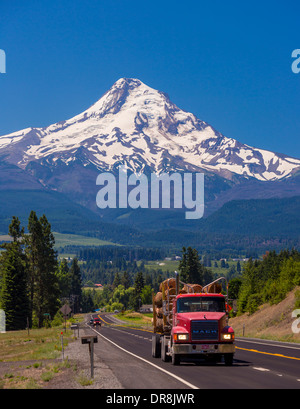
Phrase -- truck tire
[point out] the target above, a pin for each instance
(175, 359)
(228, 358)
(164, 347)
(156, 346)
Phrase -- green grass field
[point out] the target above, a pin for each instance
(164, 265)
(173, 265)
(62, 240)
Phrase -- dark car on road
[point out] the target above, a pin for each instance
(96, 321)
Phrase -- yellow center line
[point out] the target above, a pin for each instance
(268, 353)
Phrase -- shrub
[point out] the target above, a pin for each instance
(254, 301)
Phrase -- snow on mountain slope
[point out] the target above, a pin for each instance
(137, 125)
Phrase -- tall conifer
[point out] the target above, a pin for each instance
(13, 294)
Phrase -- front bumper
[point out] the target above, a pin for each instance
(196, 349)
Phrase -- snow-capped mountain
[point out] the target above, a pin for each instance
(138, 125)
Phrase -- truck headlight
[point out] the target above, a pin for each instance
(181, 337)
(227, 336)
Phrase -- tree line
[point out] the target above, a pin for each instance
(33, 284)
(127, 291)
(266, 281)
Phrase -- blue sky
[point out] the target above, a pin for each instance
(227, 62)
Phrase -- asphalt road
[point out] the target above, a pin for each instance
(258, 364)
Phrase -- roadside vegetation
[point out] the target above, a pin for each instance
(33, 284)
(136, 319)
(31, 359)
(266, 281)
(38, 343)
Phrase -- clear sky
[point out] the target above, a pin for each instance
(228, 62)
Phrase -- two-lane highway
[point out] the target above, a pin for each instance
(257, 363)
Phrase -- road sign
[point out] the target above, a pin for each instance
(65, 309)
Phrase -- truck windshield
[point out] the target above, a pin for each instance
(207, 304)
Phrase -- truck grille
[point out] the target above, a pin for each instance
(205, 330)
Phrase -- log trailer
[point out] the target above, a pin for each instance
(192, 325)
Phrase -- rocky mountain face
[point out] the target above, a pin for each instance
(136, 125)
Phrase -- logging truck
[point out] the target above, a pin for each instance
(191, 323)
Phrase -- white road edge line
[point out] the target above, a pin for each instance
(148, 362)
(268, 344)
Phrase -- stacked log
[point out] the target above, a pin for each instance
(169, 283)
(171, 291)
(191, 288)
(213, 288)
(159, 325)
(159, 312)
(169, 287)
(158, 299)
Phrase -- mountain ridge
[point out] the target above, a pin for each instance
(137, 125)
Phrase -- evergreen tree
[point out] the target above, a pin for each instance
(87, 301)
(13, 293)
(64, 279)
(76, 287)
(191, 270)
(42, 265)
(125, 280)
(139, 284)
(117, 280)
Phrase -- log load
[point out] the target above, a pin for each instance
(213, 288)
(158, 299)
(159, 312)
(169, 283)
(190, 288)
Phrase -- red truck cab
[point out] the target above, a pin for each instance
(200, 328)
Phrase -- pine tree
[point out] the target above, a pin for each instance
(64, 279)
(125, 280)
(42, 265)
(13, 294)
(138, 287)
(76, 286)
(191, 270)
(139, 283)
(117, 280)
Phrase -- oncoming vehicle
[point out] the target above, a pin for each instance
(196, 303)
(96, 322)
(192, 325)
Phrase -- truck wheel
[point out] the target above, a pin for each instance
(156, 346)
(175, 359)
(164, 356)
(228, 358)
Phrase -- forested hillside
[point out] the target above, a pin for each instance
(267, 280)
